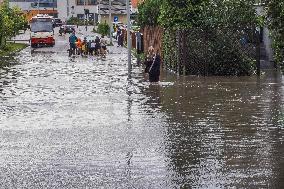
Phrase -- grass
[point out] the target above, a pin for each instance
(11, 48)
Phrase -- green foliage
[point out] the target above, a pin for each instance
(11, 48)
(169, 50)
(75, 21)
(103, 29)
(217, 16)
(11, 20)
(79, 22)
(227, 58)
(237, 14)
(211, 53)
(149, 12)
(181, 13)
(276, 25)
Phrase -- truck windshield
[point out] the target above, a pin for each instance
(41, 26)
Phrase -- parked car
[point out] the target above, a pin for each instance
(57, 22)
(66, 29)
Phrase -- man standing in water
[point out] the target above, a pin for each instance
(72, 42)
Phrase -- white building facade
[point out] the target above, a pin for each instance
(65, 9)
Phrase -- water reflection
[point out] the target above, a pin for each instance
(224, 132)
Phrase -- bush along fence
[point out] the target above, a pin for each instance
(199, 51)
(204, 51)
(204, 37)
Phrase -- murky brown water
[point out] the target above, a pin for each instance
(80, 123)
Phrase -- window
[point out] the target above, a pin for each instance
(92, 2)
(88, 2)
(81, 16)
(80, 2)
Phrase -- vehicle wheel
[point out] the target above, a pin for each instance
(33, 45)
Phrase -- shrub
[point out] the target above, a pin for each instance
(75, 21)
(103, 29)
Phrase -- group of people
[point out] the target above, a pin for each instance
(153, 64)
(98, 46)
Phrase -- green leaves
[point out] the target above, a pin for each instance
(276, 25)
(11, 20)
(181, 13)
(149, 12)
(103, 29)
(194, 13)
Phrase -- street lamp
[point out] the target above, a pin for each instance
(99, 11)
(110, 24)
(38, 6)
(128, 37)
(85, 15)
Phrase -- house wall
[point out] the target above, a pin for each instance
(79, 9)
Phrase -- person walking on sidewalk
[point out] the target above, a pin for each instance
(154, 70)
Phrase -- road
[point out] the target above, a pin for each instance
(82, 122)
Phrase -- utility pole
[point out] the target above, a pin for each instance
(53, 4)
(85, 15)
(38, 7)
(110, 23)
(67, 10)
(258, 53)
(99, 11)
(128, 37)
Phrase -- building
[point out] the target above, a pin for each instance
(118, 11)
(33, 7)
(64, 9)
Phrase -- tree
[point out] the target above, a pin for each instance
(229, 14)
(181, 13)
(11, 21)
(148, 12)
(275, 15)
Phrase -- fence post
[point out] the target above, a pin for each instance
(178, 51)
(183, 49)
(258, 53)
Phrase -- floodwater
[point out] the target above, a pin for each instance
(82, 123)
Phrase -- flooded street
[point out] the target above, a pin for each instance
(82, 123)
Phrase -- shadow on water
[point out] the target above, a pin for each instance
(223, 132)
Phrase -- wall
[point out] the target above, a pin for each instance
(79, 9)
(62, 9)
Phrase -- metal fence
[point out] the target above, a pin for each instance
(200, 51)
